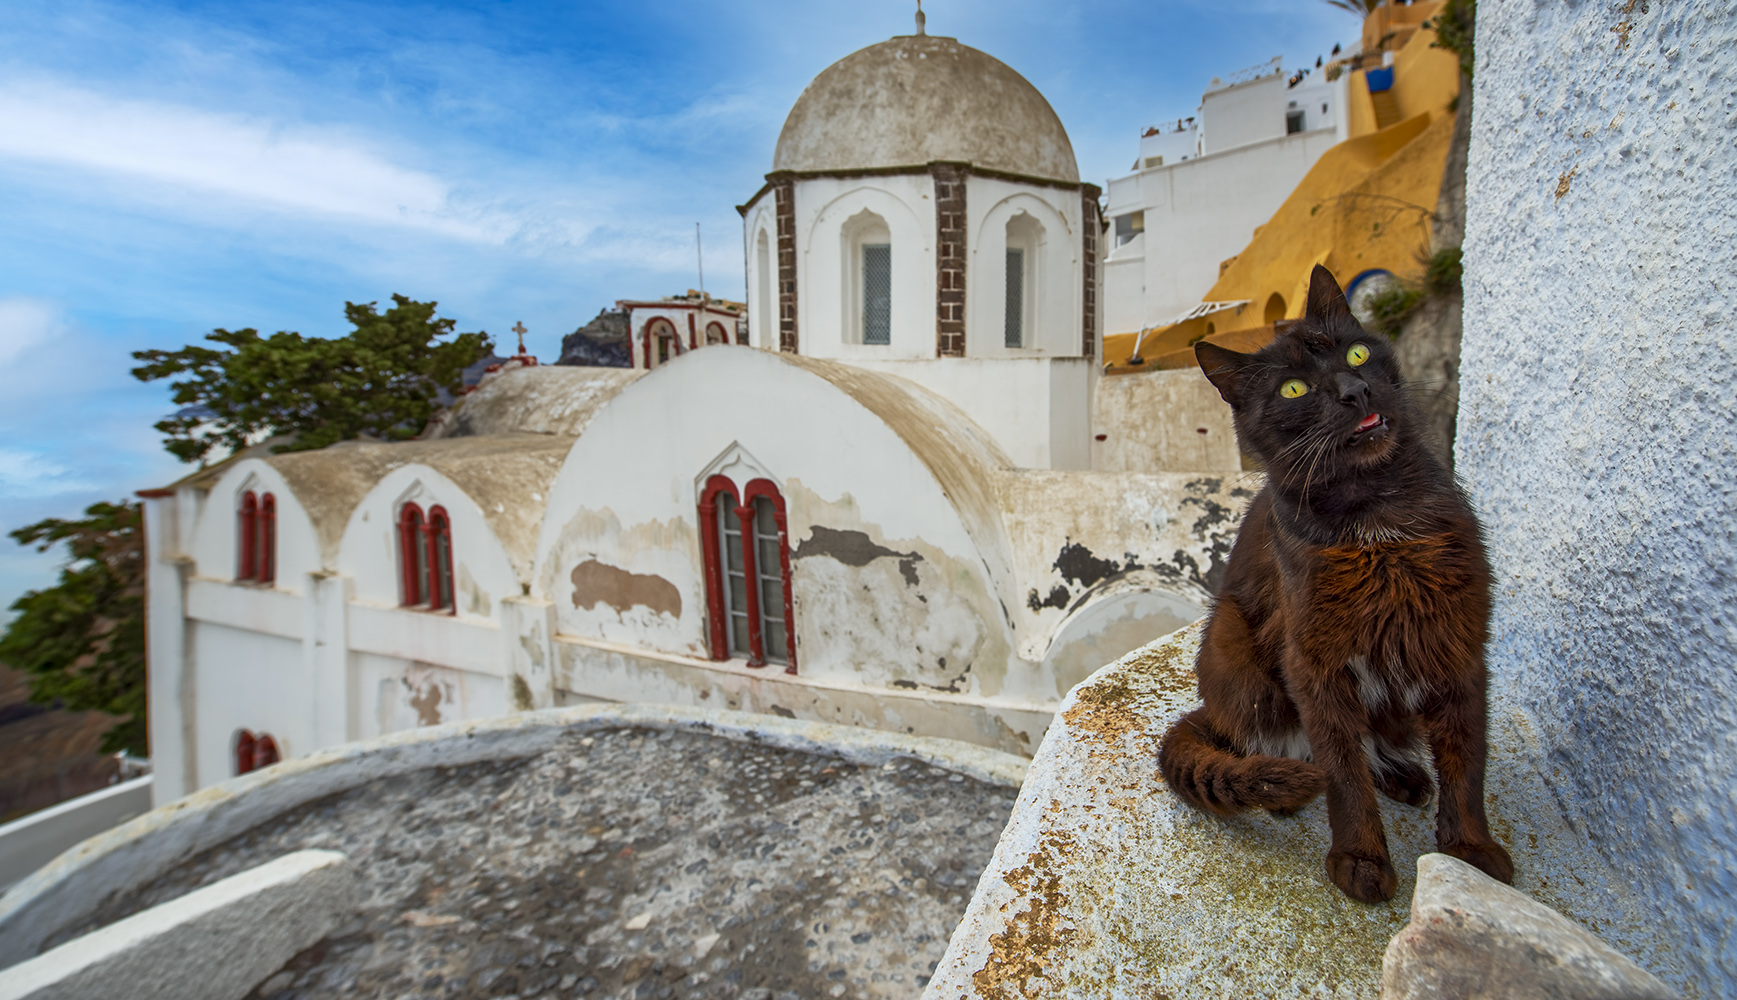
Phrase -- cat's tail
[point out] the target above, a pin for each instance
(1199, 766)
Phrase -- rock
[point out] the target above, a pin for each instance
(1471, 936)
(1106, 886)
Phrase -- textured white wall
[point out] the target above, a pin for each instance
(1597, 432)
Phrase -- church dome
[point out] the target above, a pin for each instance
(918, 98)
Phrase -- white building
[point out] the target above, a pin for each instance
(1203, 184)
(879, 514)
(663, 328)
(924, 217)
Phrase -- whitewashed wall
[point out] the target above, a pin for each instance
(1596, 433)
(1038, 409)
(1199, 213)
(838, 466)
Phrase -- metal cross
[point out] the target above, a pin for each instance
(519, 328)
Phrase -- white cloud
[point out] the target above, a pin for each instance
(24, 323)
(253, 159)
(27, 475)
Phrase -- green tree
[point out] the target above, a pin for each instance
(383, 380)
(1454, 28)
(1359, 7)
(83, 640)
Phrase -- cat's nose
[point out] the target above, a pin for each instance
(1353, 391)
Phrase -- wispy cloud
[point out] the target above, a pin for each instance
(26, 475)
(25, 323)
(286, 166)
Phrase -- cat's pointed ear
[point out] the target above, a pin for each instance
(1224, 368)
(1326, 299)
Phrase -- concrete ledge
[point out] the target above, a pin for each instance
(29, 843)
(62, 893)
(217, 943)
(1471, 936)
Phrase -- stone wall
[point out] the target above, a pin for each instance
(1597, 432)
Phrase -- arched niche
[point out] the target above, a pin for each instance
(215, 545)
(371, 550)
(1022, 257)
(762, 265)
(830, 286)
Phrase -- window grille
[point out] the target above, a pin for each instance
(1015, 325)
(877, 293)
(768, 565)
(440, 541)
(735, 580)
(747, 572)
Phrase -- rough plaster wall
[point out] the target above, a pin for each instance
(1597, 429)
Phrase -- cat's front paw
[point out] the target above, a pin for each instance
(1365, 879)
(1490, 858)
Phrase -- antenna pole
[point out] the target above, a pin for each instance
(700, 257)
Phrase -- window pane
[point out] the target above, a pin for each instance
(739, 635)
(877, 293)
(777, 646)
(1015, 326)
(420, 544)
(443, 566)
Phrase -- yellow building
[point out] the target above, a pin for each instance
(1363, 209)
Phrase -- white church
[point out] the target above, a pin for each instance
(909, 501)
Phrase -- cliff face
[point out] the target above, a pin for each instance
(50, 755)
(601, 343)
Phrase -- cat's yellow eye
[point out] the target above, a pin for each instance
(1357, 355)
(1294, 388)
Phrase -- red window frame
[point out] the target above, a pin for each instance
(440, 595)
(652, 338)
(723, 334)
(246, 536)
(425, 559)
(723, 487)
(254, 752)
(256, 538)
(266, 560)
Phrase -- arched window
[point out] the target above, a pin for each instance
(256, 538)
(1275, 309)
(715, 334)
(869, 277)
(254, 752)
(412, 556)
(1019, 309)
(247, 537)
(425, 558)
(747, 550)
(661, 342)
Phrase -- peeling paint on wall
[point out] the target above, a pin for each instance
(472, 597)
(597, 583)
(854, 548)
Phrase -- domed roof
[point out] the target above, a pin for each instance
(919, 98)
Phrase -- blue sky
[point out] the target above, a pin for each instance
(168, 168)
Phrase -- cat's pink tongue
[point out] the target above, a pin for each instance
(1369, 422)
